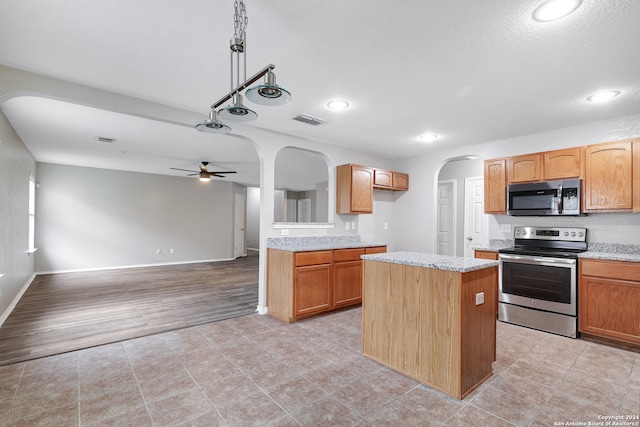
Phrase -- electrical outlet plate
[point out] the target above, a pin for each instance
(505, 228)
(284, 232)
(480, 298)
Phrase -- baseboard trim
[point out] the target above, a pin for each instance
(13, 304)
(262, 309)
(80, 270)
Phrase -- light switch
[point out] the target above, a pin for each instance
(284, 232)
(480, 298)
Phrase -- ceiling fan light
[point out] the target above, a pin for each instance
(212, 124)
(269, 93)
(237, 111)
(204, 176)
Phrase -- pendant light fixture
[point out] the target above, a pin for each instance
(268, 93)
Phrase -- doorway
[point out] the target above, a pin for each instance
(458, 219)
(239, 234)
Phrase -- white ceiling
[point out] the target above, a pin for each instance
(471, 71)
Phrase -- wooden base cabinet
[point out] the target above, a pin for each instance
(609, 300)
(425, 324)
(305, 284)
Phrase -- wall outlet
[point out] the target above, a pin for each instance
(386, 226)
(347, 225)
(172, 251)
(505, 228)
(158, 251)
(353, 225)
(284, 232)
(480, 298)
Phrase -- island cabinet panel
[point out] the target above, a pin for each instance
(495, 186)
(609, 300)
(425, 324)
(562, 164)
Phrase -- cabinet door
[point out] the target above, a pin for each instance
(610, 308)
(347, 288)
(354, 189)
(562, 164)
(375, 250)
(312, 289)
(382, 178)
(608, 176)
(400, 181)
(527, 168)
(495, 186)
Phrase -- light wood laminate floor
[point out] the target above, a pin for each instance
(71, 311)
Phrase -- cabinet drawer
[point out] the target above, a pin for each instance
(486, 254)
(610, 269)
(347, 254)
(313, 258)
(375, 250)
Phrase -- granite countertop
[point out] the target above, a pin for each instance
(612, 252)
(494, 245)
(319, 243)
(438, 262)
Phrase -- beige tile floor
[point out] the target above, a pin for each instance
(256, 370)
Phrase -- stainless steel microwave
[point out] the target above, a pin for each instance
(544, 198)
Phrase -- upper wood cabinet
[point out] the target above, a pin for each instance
(612, 176)
(355, 184)
(495, 186)
(389, 180)
(354, 189)
(525, 168)
(562, 164)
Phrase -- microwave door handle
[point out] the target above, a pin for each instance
(560, 199)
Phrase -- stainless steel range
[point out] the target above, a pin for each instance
(538, 279)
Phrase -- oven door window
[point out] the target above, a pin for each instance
(537, 282)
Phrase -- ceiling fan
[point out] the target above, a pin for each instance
(204, 174)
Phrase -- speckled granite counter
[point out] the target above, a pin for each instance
(319, 243)
(494, 245)
(438, 262)
(612, 252)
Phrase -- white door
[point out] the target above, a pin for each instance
(446, 217)
(239, 237)
(292, 212)
(476, 222)
(304, 210)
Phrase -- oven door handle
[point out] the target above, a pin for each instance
(527, 259)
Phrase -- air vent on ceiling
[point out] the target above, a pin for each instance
(309, 120)
(106, 140)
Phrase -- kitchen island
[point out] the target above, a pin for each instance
(431, 317)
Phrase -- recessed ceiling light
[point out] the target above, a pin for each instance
(430, 137)
(338, 104)
(551, 10)
(603, 96)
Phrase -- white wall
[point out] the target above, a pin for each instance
(16, 265)
(415, 213)
(95, 218)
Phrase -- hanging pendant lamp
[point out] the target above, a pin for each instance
(237, 111)
(269, 93)
(212, 124)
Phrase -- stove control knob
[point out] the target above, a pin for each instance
(573, 234)
(566, 233)
(580, 234)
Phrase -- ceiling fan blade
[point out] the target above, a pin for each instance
(194, 174)
(215, 174)
(185, 170)
(223, 172)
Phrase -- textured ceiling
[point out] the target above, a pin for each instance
(472, 72)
